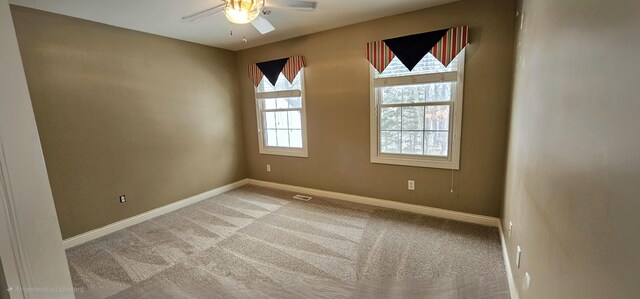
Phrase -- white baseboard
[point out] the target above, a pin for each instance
(507, 265)
(116, 226)
(435, 212)
(429, 211)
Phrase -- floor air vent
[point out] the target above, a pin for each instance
(303, 197)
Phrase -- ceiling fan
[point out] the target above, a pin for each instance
(251, 11)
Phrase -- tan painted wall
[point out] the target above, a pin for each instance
(337, 90)
(124, 112)
(574, 149)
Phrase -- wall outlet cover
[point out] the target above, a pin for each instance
(411, 185)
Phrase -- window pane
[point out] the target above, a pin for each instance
(283, 138)
(390, 118)
(295, 122)
(296, 138)
(270, 138)
(437, 118)
(413, 94)
(390, 142)
(286, 103)
(269, 104)
(392, 95)
(282, 103)
(428, 65)
(295, 102)
(419, 93)
(281, 120)
(412, 142)
(436, 143)
(269, 120)
(412, 118)
(438, 92)
(281, 84)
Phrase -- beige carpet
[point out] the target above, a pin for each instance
(257, 242)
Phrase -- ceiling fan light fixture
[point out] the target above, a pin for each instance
(243, 11)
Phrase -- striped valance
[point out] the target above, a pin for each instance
(379, 55)
(444, 44)
(289, 67)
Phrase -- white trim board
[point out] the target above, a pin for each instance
(507, 265)
(116, 226)
(424, 210)
(31, 244)
(429, 211)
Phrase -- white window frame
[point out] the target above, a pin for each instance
(283, 151)
(452, 161)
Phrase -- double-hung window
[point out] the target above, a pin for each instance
(416, 116)
(281, 117)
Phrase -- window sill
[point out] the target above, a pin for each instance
(300, 153)
(417, 162)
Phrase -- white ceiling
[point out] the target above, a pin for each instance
(163, 17)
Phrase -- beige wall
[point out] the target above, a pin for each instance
(337, 95)
(573, 154)
(124, 112)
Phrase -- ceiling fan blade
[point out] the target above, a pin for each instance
(262, 25)
(204, 13)
(293, 4)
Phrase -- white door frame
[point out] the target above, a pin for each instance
(31, 247)
(9, 251)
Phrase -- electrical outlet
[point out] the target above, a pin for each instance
(518, 256)
(268, 168)
(510, 228)
(123, 198)
(411, 185)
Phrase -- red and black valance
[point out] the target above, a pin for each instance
(444, 44)
(289, 67)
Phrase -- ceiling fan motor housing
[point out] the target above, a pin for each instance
(243, 11)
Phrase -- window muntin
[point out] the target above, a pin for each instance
(281, 117)
(414, 119)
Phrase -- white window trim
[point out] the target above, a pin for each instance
(283, 151)
(453, 159)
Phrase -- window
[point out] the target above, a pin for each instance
(281, 117)
(416, 116)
